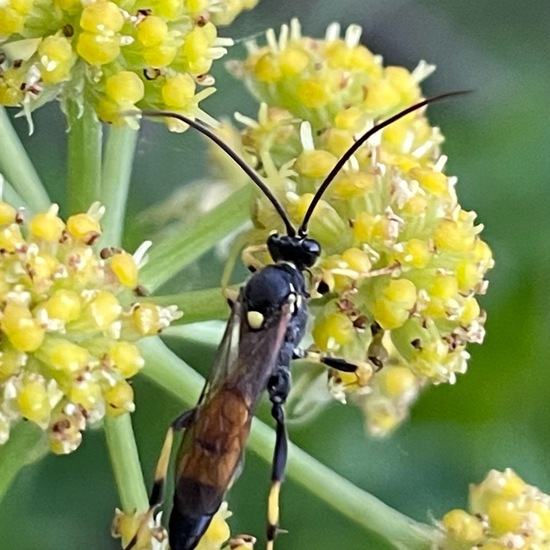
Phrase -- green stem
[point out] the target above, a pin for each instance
(117, 170)
(197, 305)
(167, 370)
(17, 168)
(26, 445)
(179, 380)
(84, 157)
(357, 505)
(181, 247)
(125, 462)
(11, 196)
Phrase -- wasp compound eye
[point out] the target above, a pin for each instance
(311, 250)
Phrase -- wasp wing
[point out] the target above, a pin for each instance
(213, 445)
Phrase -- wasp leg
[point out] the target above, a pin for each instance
(278, 389)
(337, 363)
(157, 492)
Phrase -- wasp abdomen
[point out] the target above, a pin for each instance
(186, 530)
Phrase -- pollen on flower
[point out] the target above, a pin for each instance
(502, 508)
(64, 359)
(402, 262)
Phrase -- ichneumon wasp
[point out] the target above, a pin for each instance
(267, 322)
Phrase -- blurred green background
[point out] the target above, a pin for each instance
(496, 416)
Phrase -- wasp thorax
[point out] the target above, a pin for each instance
(301, 251)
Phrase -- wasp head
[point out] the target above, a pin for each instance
(301, 251)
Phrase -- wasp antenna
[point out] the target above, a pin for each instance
(247, 169)
(302, 230)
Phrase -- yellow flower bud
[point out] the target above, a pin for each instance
(397, 381)
(120, 399)
(333, 331)
(23, 331)
(267, 68)
(64, 305)
(146, 319)
(381, 97)
(434, 182)
(33, 401)
(463, 527)
(293, 61)
(62, 355)
(57, 59)
(152, 31)
(125, 268)
(47, 225)
(125, 87)
(449, 235)
(85, 393)
(178, 91)
(102, 17)
(105, 309)
(97, 49)
(392, 309)
(84, 228)
(127, 358)
(315, 164)
(313, 93)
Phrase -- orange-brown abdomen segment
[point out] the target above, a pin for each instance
(209, 457)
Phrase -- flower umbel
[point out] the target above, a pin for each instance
(402, 260)
(112, 55)
(69, 322)
(504, 512)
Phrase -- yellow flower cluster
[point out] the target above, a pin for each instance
(402, 260)
(69, 320)
(504, 512)
(113, 55)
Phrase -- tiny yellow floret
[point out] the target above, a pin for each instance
(47, 226)
(126, 357)
(178, 91)
(84, 228)
(463, 527)
(124, 88)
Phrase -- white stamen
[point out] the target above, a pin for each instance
(353, 36)
(295, 30)
(140, 255)
(333, 32)
(422, 71)
(306, 136)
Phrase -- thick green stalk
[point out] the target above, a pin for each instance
(115, 182)
(84, 158)
(180, 247)
(197, 305)
(17, 168)
(178, 379)
(116, 173)
(345, 497)
(125, 462)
